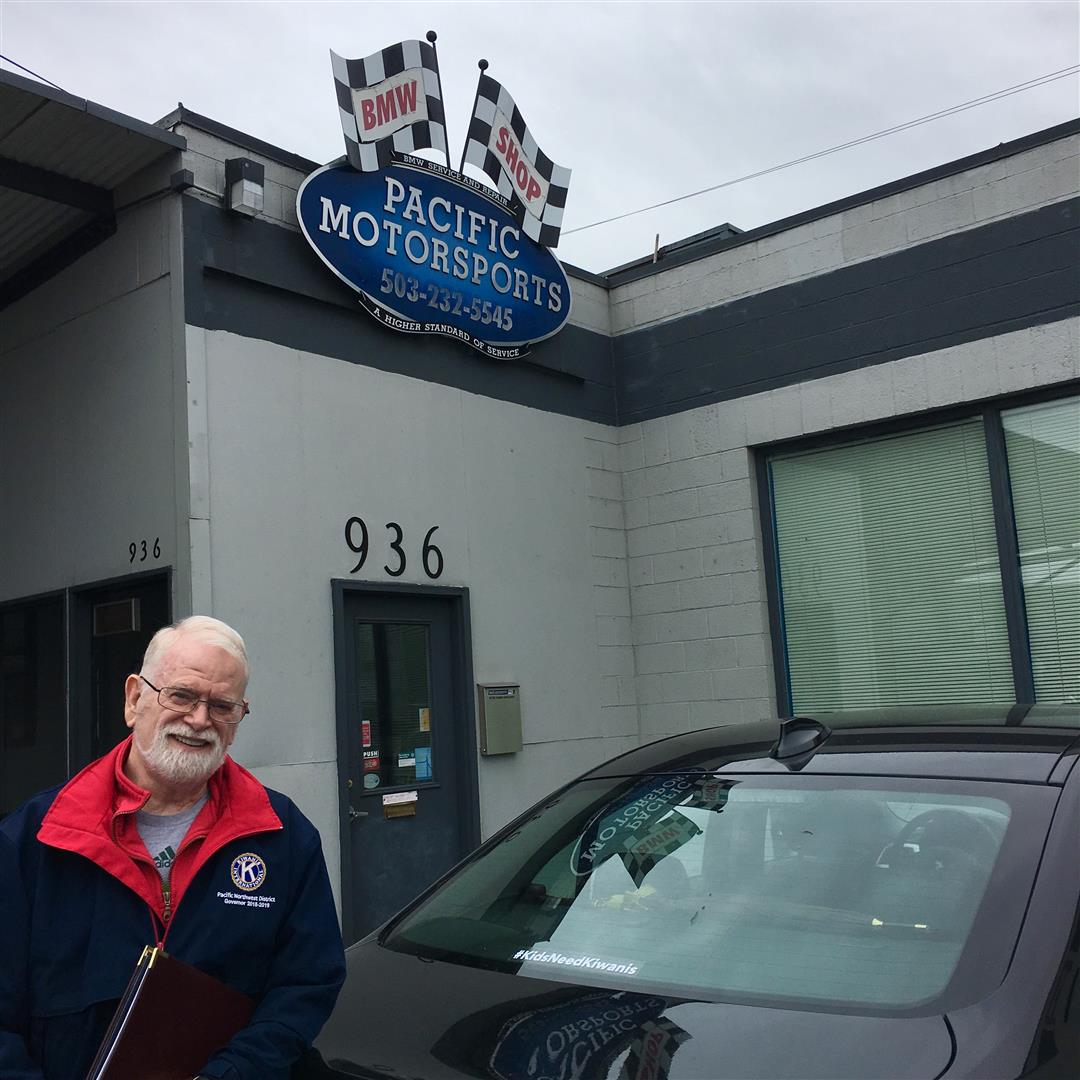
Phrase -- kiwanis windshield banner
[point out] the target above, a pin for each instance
(428, 249)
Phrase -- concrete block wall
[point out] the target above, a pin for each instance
(699, 620)
(205, 156)
(611, 583)
(699, 623)
(1013, 185)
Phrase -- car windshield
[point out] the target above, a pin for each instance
(828, 892)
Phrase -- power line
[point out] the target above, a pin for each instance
(997, 95)
(34, 73)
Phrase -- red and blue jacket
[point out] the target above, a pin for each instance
(249, 902)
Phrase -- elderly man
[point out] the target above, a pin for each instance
(165, 840)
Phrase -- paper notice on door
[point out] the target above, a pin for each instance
(406, 760)
(423, 763)
(425, 719)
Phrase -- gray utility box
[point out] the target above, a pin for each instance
(500, 718)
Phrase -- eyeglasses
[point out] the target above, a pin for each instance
(178, 699)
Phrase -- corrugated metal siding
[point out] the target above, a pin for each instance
(65, 138)
(29, 226)
(77, 145)
(15, 107)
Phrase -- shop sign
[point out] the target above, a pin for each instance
(432, 252)
(428, 249)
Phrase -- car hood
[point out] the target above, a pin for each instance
(400, 1017)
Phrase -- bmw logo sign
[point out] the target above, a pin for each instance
(248, 871)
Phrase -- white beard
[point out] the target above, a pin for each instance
(176, 765)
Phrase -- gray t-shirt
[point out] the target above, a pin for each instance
(163, 833)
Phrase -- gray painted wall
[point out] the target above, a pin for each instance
(299, 442)
(89, 426)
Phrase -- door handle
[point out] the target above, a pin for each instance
(355, 815)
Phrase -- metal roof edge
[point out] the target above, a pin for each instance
(183, 115)
(584, 275)
(644, 267)
(101, 112)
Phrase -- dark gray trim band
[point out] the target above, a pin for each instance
(1000, 277)
(260, 280)
(263, 281)
(645, 267)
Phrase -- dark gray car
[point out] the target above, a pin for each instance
(850, 896)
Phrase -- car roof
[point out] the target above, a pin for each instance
(981, 742)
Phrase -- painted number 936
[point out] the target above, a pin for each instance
(142, 549)
(358, 541)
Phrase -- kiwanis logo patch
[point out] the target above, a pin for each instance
(248, 871)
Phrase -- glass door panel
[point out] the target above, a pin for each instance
(395, 707)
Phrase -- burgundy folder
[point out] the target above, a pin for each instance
(171, 1020)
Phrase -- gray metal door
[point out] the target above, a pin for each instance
(406, 747)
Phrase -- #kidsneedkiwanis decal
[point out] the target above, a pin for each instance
(428, 249)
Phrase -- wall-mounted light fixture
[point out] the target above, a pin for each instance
(244, 180)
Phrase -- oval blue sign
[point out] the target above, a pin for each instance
(431, 251)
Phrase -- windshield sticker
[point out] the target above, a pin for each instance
(585, 1038)
(621, 828)
(591, 963)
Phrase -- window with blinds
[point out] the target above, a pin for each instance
(1043, 447)
(889, 583)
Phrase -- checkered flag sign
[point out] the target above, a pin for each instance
(663, 839)
(502, 146)
(391, 100)
(652, 1050)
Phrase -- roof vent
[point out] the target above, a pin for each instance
(799, 738)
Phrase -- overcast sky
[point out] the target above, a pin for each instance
(643, 101)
